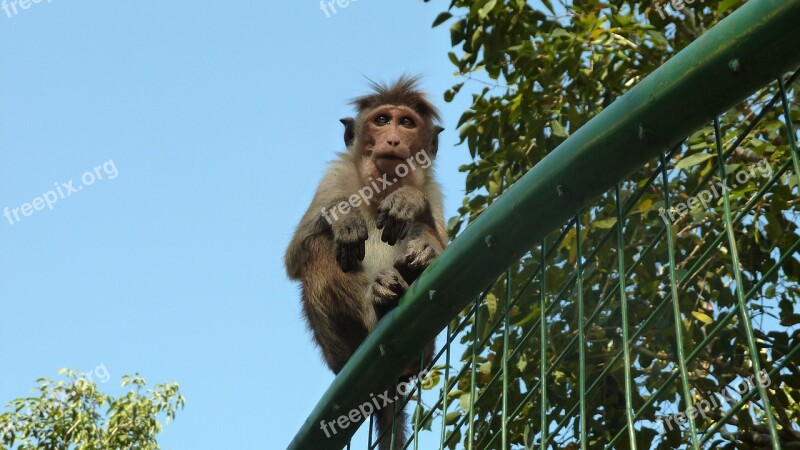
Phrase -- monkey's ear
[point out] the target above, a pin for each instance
(435, 141)
(349, 130)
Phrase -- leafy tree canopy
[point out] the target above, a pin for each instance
(536, 72)
(72, 413)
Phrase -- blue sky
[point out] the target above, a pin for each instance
(218, 119)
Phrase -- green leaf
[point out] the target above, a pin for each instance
(725, 5)
(454, 59)
(456, 32)
(558, 129)
(605, 223)
(491, 304)
(522, 363)
(486, 9)
(476, 39)
(452, 417)
(702, 317)
(441, 18)
(464, 401)
(693, 160)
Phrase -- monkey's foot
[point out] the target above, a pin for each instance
(419, 255)
(385, 291)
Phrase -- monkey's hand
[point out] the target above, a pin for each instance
(385, 291)
(349, 238)
(398, 211)
(420, 253)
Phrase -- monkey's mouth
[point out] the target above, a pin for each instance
(390, 157)
(388, 163)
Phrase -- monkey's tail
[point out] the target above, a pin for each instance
(391, 423)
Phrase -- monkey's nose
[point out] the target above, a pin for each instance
(394, 141)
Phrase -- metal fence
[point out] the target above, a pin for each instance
(588, 336)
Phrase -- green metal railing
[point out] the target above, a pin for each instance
(508, 264)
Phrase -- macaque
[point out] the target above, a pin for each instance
(375, 223)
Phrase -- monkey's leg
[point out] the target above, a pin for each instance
(421, 250)
(425, 359)
(392, 418)
(333, 304)
(383, 294)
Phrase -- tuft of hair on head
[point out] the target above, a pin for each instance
(404, 91)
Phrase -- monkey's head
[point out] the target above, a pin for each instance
(395, 133)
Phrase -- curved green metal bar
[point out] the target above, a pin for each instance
(750, 48)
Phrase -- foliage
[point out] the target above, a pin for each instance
(537, 71)
(73, 414)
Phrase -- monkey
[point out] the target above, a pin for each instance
(375, 223)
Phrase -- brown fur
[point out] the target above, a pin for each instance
(404, 91)
(354, 263)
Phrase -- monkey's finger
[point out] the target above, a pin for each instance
(381, 219)
(421, 260)
(344, 255)
(401, 229)
(387, 231)
(393, 227)
(351, 255)
(340, 259)
(355, 253)
(391, 239)
(404, 230)
(401, 266)
(382, 294)
(408, 273)
(402, 286)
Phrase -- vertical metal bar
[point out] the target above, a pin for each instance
(581, 334)
(789, 127)
(471, 429)
(446, 387)
(371, 426)
(676, 307)
(744, 315)
(625, 335)
(418, 409)
(543, 351)
(394, 418)
(506, 325)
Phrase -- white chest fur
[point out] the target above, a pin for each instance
(379, 255)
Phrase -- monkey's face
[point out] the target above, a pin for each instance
(391, 135)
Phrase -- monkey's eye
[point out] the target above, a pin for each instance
(382, 119)
(407, 122)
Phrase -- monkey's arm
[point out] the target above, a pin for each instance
(348, 231)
